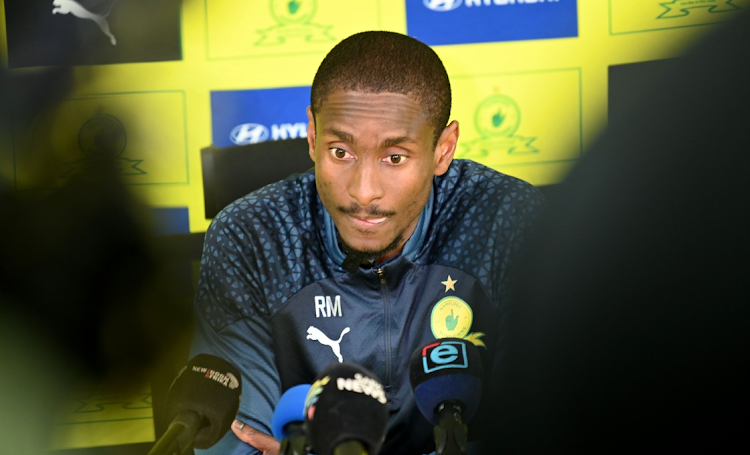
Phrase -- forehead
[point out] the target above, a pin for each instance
(385, 109)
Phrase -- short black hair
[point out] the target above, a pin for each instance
(382, 61)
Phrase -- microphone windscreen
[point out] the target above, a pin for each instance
(211, 387)
(346, 402)
(447, 369)
(290, 408)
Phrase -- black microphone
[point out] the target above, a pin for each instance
(346, 412)
(446, 377)
(288, 421)
(201, 405)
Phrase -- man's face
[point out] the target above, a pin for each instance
(374, 163)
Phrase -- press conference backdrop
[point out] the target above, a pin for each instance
(163, 79)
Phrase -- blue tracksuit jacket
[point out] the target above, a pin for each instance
(274, 299)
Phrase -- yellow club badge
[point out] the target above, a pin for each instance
(451, 318)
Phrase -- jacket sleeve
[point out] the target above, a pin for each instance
(232, 323)
(511, 230)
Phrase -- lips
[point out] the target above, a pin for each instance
(369, 222)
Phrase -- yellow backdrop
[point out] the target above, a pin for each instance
(551, 94)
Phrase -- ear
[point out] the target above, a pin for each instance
(446, 148)
(311, 133)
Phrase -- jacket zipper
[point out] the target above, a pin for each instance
(381, 275)
(387, 308)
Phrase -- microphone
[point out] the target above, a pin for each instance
(288, 421)
(446, 377)
(201, 404)
(346, 411)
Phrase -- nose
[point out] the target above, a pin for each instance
(365, 184)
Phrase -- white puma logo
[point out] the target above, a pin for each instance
(315, 334)
(74, 8)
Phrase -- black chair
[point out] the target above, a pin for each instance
(232, 172)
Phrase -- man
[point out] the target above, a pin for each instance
(389, 244)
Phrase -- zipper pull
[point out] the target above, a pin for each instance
(381, 275)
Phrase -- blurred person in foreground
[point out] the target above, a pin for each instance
(388, 244)
(627, 330)
(87, 301)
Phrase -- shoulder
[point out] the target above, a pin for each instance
(278, 206)
(255, 248)
(480, 219)
(296, 191)
(468, 185)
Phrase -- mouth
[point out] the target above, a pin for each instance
(368, 222)
(365, 220)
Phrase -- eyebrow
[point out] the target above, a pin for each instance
(390, 142)
(346, 137)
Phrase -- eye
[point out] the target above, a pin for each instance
(339, 153)
(395, 159)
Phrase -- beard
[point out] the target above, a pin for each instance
(368, 256)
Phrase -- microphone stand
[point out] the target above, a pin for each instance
(296, 442)
(179, 435)
(451, 435)
(350, 447)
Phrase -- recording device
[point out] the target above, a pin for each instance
(288, 421)
(346, 412)
(446, 377)
(201, 405)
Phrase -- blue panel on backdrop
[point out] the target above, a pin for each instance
(171, 220)
(240, 117)
(441, 22)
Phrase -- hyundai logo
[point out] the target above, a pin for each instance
(248, 133)
(442, 5)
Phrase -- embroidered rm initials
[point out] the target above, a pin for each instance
(326, 307)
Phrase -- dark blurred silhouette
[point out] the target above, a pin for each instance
(628, 329)
(89, 299)
(86, 303)
(79, 265)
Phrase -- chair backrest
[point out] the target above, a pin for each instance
(232, 172)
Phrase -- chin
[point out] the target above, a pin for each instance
(366, 247)
(374, 248)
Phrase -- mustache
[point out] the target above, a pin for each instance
(355, 209)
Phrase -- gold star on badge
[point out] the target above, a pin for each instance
(449, 284)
